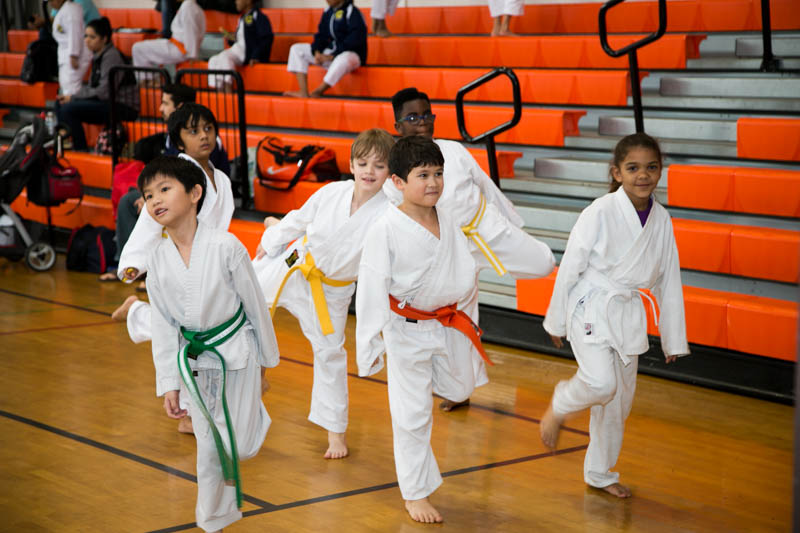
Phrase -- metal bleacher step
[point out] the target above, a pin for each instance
(729, 61)
(772, 86)
(782, 46)
(591, 140)
(695, 129)
(652, 98)
(566, 187)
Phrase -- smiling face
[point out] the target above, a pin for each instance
(370, 172)
(423, 186)
(168, 201)
(410, 121)
(198, 141)
(638, 173)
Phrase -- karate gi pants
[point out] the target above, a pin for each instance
(422, 358)
(154, 53)
(606, 385)
(228, 59)
(381, 8)
(506, 7)
(70, 79)
(300, 57)
(216, 502)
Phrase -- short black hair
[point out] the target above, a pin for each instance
(102, 27)
(186, 116)
(411, 152)
(180, 93)
(406, 95)
(183, 170)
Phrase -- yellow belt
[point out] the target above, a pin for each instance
(471, 231)
(315, 279)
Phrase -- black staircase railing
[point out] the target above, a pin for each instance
(630, 50)
(226, 101)
(490, 135)
(769, 63)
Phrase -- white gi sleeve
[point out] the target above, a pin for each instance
(669, 295)
(291, 227)
(144, 237)
(255, 306)
(74, 25)
(165, 342)
(490, 191)
(573, 263)
(195, 29)
(372, 302)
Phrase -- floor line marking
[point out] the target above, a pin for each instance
(51, 328)
(47, 300)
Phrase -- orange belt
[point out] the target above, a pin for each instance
(178, 44)
(449, 317)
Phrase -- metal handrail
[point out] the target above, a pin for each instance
(490, 135)
(630, 50)
(239, 175)
(769, 63)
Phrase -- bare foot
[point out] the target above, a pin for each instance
(108, 276)
(423, 511)
(185, 426)
(620, 491)
(449, 405)
(506, 33)
(549, 428)
(383, 33)
(295, 94)
(316, 93)
(337, 447)
(120, 314)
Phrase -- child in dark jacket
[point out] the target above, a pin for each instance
(340, 47)
(252, 42)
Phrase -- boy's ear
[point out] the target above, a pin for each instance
(352, 168)
(196, 193)
(399, 182)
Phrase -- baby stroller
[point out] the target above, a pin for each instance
(27, 162)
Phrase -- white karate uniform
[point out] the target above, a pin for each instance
(228, 59)
(203, 295)
(68, 31)
(381, 8)
(334, 239)
(506, 7)
(596, 304)
(522, 255)
(188, 27)
(301, 56)
(216, 212)
(404, 259)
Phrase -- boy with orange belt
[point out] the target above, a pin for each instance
(418, 257)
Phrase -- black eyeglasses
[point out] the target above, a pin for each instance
(414, 118)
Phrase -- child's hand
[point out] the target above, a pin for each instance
(558, 342)
(63, 98)
(73, 61)
(260, 252)
(671, 358)
(130, 274)
(172, 405)
(319, 57)
(270, 221)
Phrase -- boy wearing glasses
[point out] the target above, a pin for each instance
(485, 215)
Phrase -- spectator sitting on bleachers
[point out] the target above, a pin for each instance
(340, 46)
(501, 12)
(146, 149)
(251, 44)
(381, 8)
(188, 28)
(91, 103)
(73, 56)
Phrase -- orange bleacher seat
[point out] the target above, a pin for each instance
(125, 41)
(92, 210)
(18, 93)
(766, 253)
(577, 87)
(133, 18)
(95, 169)
(706, 316)
(11, 64)
(703, 245)
(248, 232)
(768, 138)
(218, 19)
(533, 295)
(701, 187)
(762, 326)
(766, 191)
(273, 201)
(18, 40)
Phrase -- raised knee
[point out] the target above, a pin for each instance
(603, 390)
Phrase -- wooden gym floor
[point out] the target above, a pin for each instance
(85, 445)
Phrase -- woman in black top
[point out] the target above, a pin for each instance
(91, 103)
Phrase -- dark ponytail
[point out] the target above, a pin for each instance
(101, 27)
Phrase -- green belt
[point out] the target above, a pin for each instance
(207, 341)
